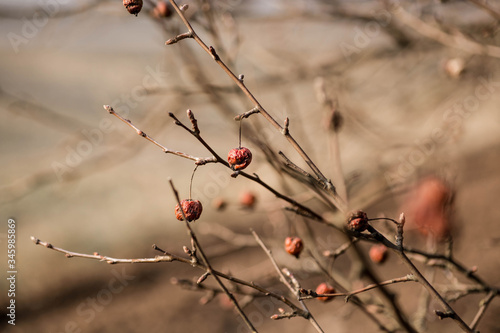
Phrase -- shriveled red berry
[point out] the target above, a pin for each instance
(378, 253)
(324, 288)
(192, 209)
(294, 246)
(133, 6)
(357, 221)
(239, 158)
(247, 199)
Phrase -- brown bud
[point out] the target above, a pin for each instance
(357, 221)
(133, 6)
(378, 253)
(192, 209)
(239, 158)
(325, 288)
(294, 246)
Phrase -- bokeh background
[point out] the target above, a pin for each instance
(76, 177)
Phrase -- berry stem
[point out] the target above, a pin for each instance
(239, 136)
(191, 182)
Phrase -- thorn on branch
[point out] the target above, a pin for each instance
(285, 131)
(213, 53)
(179, 38)
(241, 77)
(184, 7)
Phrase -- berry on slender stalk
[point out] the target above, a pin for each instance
(239, 158)
(133, 6)
(192, 210)
(294, 246)
(324, 288)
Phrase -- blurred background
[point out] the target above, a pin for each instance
(371, 94)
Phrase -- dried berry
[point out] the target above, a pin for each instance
(247, 199)
(133, 6)
(162, 9)
(294, 246)
(239, 158)
(192, 209)
(429, 207)
(357, 221)
(325, 288)
(378, 253)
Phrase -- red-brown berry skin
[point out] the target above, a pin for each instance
(239, 158)
(247, 199)
(357, 221)
(133, 6)
(378, 253)
(429, 207)
(192, 209)
(324, 288)
(162, 9)
(294, 246)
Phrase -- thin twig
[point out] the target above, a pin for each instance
(283, 279)
(483, 305)
(197, 160)
(169, 257)
(456, 41)
(211, 51)
(311, 294)
(449, 312)
(210, 270)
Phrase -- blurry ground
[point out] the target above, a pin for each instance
(115, 199)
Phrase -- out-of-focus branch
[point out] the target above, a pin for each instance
(456, 41)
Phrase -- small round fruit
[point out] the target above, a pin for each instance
(133, 6)
(357, 221)
(247, 199)
(192, 210)
(378, 253)
(162, 9)
(324, 288)
(294, 246)
(239, 158)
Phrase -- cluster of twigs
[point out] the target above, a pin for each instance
(331, 193)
